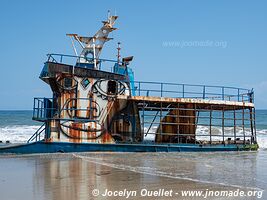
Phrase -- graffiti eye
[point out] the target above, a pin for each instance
(109, 87)
(67, 83)
(112, 87)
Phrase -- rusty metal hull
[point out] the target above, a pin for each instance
(65, 147)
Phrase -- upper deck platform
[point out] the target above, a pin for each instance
(202, 103)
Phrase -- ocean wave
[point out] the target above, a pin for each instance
(19, 134)
(202, 133)
(228, 131)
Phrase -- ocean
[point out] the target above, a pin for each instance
(79, 175)
(17, 127)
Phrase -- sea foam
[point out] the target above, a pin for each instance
(21, 133)
(17, 133)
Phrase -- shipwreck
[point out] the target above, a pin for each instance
(97, 105)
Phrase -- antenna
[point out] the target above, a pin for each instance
(94, 52)
(108, 15)
(119, 49)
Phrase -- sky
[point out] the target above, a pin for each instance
(197, 42)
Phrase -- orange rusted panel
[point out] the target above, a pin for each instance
(177, 121)
(106, 138)
(75, 132)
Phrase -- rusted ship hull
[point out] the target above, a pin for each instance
(67, 147)
(95, 109)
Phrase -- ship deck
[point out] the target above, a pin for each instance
(201, 103)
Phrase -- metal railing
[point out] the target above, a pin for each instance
(37, 135)
(76, 61)
(143, 88)
(193, 91)
(43, 109)
(200, 124)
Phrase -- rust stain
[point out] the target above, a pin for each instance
(177, 121)
(75, 133)
(49, 140)
(106, 138)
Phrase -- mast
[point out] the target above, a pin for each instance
(92, 46)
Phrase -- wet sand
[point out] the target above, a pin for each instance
(75, 176)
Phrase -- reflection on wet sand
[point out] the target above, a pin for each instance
(62, 179)
(75, 176)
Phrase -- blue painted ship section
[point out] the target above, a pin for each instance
(131, 78)
(126, 71)
(65, 147)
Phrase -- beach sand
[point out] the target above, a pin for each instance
(75, 176)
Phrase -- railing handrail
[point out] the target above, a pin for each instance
(37, 133)
(79, 57)
(201, 91)
(150, 82)
(193, 85)
(40, 112)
